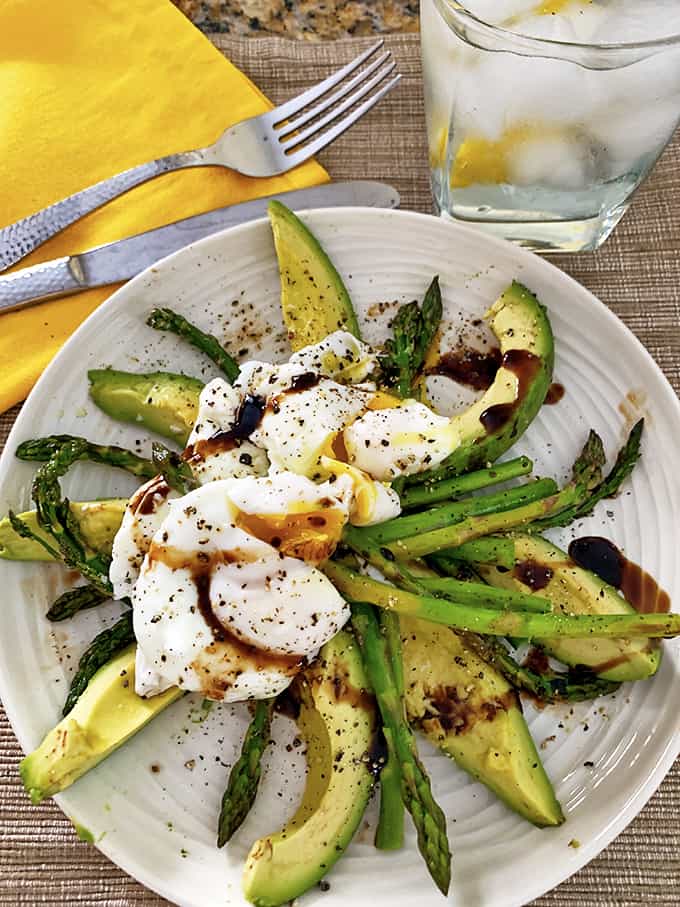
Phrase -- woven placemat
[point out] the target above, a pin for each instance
(637, 274)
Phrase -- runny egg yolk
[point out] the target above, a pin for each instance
(365, 494)
(382, 400)
(366, 507)
(334, 461)
(311, 536)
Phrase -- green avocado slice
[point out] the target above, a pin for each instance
(574, 590)
(163, 402)
(502, 414)
(338, 720)
(98, 522)
(107, 714)
(314, 299)
(470, 711)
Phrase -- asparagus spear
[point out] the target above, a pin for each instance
(174, 470)
(177, 474)
(42, 449)
(167, 320)
(447, 514)
(449, 489)
(101, 650)
(491, 549)
(414, 329)
(428, 818)
(521, 624)
(574, 685)
(244, 777)
(59, 452)
(474, 527)
(54, 515)
(390, 832)
(622, 468)
(24, 530)
(75, 600)
(480, 595)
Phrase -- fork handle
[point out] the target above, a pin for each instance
(17, 240)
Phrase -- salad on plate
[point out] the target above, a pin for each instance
(318, 540)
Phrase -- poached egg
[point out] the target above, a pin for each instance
(219, 611)
(227, 596)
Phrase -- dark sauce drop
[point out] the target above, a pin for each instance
(555, 394)
(376, 755)
(147, 502)
(202, 580)
(303, 382)
(525, 366)
(248, 418)
(534, 575)
(496, 417)
(288, 702)
(602, 557)
(470, 367)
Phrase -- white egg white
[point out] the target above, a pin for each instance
(286, 492)
(218, 407)
(296, 432)
(340, 356)
(146, 510)
(411, 438)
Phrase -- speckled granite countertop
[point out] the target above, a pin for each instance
(312, 20)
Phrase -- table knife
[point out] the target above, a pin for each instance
(117, 261)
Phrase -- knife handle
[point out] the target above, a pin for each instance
(46, 281)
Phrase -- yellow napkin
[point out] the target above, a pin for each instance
(89, 89)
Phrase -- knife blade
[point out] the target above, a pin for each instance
(121, 260)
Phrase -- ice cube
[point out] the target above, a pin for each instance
(481, 97)
(627, 134)
(627, 21)
(499, 12)
(559, 161)
(557, 27)
(645, 82)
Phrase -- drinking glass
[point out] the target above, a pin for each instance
(544, 117)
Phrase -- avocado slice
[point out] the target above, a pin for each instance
(98, 522)
(338, 721)
(470, 711)
(502, 414)
(163, 402)
(574, 590)
(107, 714)
(314, 300)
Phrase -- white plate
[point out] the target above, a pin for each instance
(160, 825)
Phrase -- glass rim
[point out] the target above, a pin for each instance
(540, 44)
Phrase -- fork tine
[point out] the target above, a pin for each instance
(348, 102)
(302, 154)
(289, 108)
(294, 124)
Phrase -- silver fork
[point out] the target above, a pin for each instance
(271, 143)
